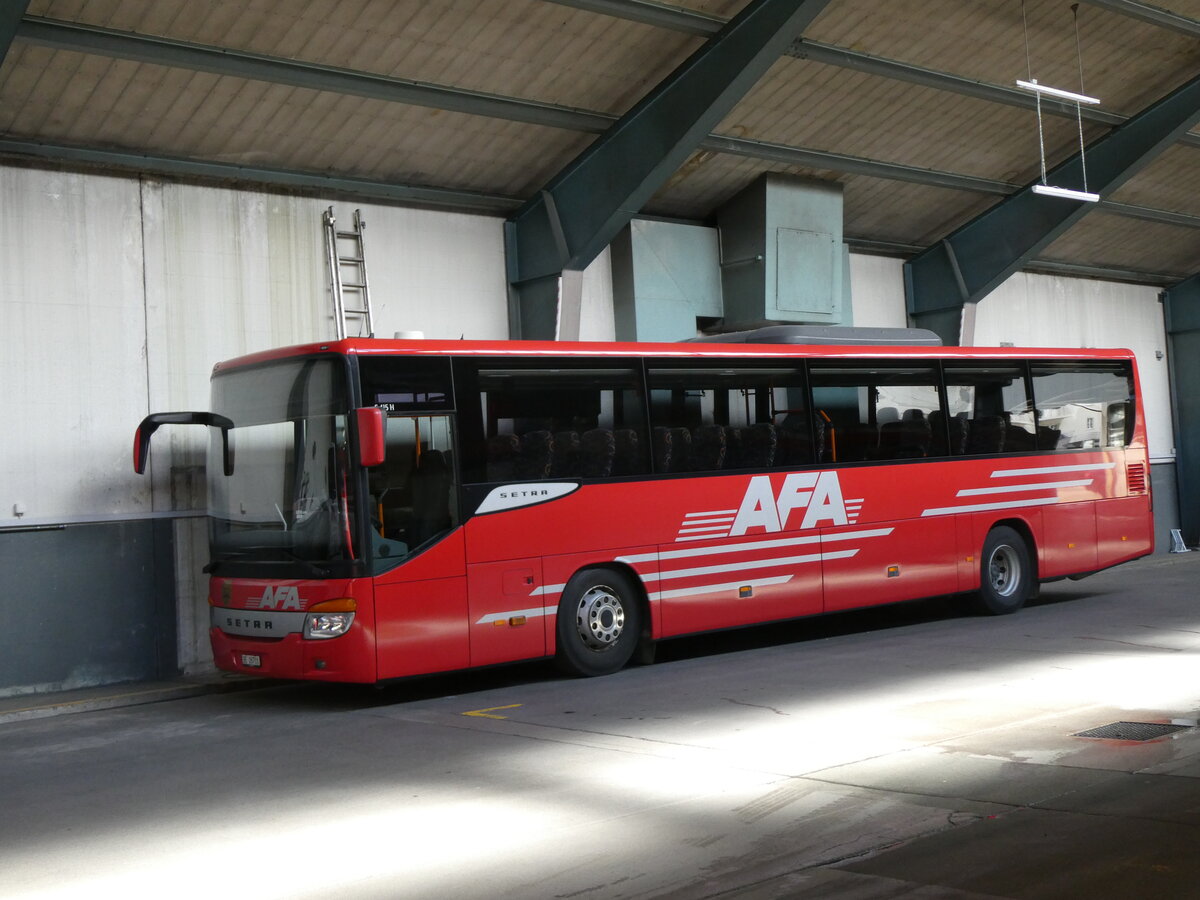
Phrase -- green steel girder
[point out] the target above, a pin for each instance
(1181, 310)
(579, 212)
(10, 19)
(1163, 18)
(419, 195)
(972, 261)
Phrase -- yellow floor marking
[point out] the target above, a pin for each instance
(486, 713)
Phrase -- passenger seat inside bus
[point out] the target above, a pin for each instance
(431, 497)
(565, 460)
(708, 448)
(986, 435)
(502, 450)
(535, 456)
(627, 458)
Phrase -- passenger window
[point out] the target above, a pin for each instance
(715, 418)
(989, 409)
(1082, 405)
(878, 411)
(413, 493)
(561, 423)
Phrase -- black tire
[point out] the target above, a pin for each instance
(599, 622)
(1005, 573)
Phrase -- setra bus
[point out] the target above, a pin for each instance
(385, 508)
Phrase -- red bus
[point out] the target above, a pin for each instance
(380, 509)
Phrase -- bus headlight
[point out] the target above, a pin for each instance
(329, 619)
(327, 625)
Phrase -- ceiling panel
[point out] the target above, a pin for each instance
(1119, 242)
(521, 48)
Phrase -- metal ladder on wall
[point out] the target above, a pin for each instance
(348, 275)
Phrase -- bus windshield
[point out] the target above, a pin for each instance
(288, 499)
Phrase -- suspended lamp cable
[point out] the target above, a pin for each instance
(1078, 109)
(1037, 95)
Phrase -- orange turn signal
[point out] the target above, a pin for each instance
(342, 604)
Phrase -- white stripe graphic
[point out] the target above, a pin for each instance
(547, 589)
(980, 507)
(768, 544)
(710, 529)
(748, 564)
(1016, 488)
(691, 522)
(715, 512)
(718, 588)
(1047, 470)
(534, 613)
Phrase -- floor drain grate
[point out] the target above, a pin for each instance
(1131, 731)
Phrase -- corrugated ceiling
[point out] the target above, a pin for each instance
(558, 54)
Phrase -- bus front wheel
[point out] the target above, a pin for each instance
(1006, 573)
(599, 622)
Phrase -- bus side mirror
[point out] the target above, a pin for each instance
(150, 424)
(372, 448)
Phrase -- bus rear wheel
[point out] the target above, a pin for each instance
(1006, 573)
(599, 623)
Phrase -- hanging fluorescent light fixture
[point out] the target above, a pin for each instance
(1032, 85)
(1040, 90)
(1051, 191)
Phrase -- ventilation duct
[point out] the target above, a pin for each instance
(782, 255)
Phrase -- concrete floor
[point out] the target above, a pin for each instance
(909, 752)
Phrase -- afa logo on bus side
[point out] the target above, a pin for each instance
(819, 494)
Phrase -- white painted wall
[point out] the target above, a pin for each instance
(877, 291)
(73, 325)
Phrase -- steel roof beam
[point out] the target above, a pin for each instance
(968, 264)
(582, 208)
(660, 15)
(311, 181)
(10, 20)
(1154, 15)
(1181, 311)
(856, 165)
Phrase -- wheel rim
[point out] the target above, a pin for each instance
(1004, 571)
(600, 617)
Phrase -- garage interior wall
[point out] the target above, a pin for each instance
(117, 296)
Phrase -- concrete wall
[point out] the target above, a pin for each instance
(117, 296)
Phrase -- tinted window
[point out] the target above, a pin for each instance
(543, 422)
(877, 411)
(1082, 406)
(406, 384)
(989, 408)
(710, 418)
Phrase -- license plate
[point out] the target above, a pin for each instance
(251, 660)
